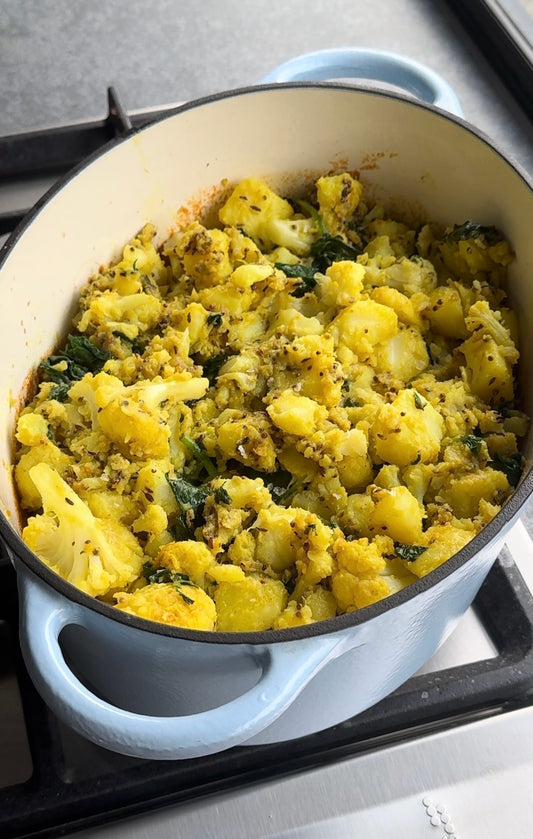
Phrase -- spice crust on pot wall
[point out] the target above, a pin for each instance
(424, 158)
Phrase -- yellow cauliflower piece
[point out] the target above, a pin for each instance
(267, 218)
(205, 254)
(108, 504)
(249, 605)
(407, 430)
(192, 319)
(358, 580)
(32, 429)
(490, 354)
(130, 314)
(134, 418)
(295, 414)
(140, 269)
(338, 197)
(185, 606)
(45, 452)
(342, 284)
(246, 438)
(95, 555)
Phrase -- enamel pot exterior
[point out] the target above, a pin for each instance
(155, 691)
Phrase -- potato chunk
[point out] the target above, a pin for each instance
(407, 430)
(250, 605)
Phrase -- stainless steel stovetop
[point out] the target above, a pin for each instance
(448, 756)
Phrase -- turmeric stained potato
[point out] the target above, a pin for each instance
(278, 420)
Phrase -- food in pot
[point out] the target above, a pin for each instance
(277, 420)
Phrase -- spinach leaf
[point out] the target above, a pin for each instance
(409, 552)
(191, 501)
(281, 495)
(472, 442)
(326, 250)
(199, 452)
(80, 356)
(136, 346)
(165, 575)
(470, 230)
(511, 467)
(215, 320)
(212, 365)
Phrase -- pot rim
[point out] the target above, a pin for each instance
(489, 533)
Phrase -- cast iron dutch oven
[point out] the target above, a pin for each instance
(156, 691)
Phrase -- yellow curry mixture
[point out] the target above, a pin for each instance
(278, 420)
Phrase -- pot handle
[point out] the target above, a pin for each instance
(286, 670)
(379, 65)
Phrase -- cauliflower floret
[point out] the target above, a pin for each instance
(32, 429)
(95, 555)
(338, 197)
(45, 452)
(342, 283)
(490, 354)
(183, 605)
(134, 418)
(129, 314)
(266, 217)
(196, 561)
(140, 269)
(358, 580)
(205, 254)
(408, 275)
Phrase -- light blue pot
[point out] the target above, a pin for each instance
(154, 691)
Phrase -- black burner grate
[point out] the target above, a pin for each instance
(72, 784)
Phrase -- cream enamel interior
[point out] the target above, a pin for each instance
(428, 163)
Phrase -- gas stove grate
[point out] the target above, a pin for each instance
(74, 784)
